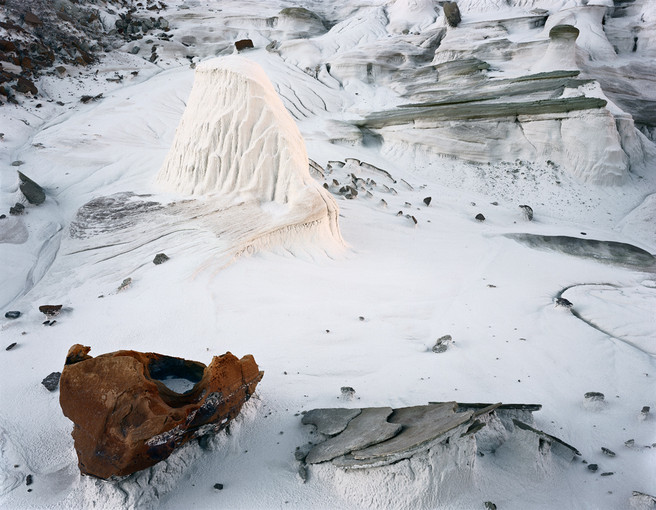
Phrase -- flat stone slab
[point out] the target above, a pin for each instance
(558, 445)
(421, 425)
(330, 421)
(370, 427)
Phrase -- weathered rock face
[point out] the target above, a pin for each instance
(126, 419)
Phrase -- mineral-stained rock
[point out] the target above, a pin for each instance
(243, 44)
(126, 419)
(50, 310)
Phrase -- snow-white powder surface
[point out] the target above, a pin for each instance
(365, 316)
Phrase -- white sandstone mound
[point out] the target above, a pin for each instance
(237, 144)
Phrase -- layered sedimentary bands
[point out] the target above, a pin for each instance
(127, 419)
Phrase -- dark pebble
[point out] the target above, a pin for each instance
(52, 381)
(160, 258)
(608, 452)
(607, 473)
(480, 217)
(218, 486)
(593, 467)
(10, 346)
(28, 480)
(427, 200)
(13, 314)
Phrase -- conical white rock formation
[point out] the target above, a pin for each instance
(237, 143)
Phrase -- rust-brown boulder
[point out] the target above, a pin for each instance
(126, 419)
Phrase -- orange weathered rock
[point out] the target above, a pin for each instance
(126, 419)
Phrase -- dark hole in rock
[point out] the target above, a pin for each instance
(176, 374)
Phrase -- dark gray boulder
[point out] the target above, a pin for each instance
(452, 13)
(32, 191)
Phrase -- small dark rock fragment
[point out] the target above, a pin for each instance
(607, 473)
(347, 392)
(218, 486)
(243, 44)
(442, 344)
(566, 303)
(593, 467)
(125, 284)
(52, 381)
(608, 452)
(28, 480)
(490, 506)
(87, 99)
(594, 396)
(160, 258)
(12, 314)
(528, 212)
(644, 412)
(428, 200)
(3, 216)
(302, 473)
(480, 217)
(10, 346)
(17, 209)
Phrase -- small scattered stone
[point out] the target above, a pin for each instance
(50, 310)
(218, 486)
(243, 44)
(490, 506)
(480, 217)
(52, 381)
(17, 209)
(608, 452)
(565, 303)
(428, 200)
(629, 443)
(442, 344)
(17, 163)
(10, 346)
(593, 467)
(160, 258)
(300, 455)
(302, 473)
(644, 412)
(528, 212)
(204, 441)
(347, 392)
(28, 480)
(361, 318)
(12, 314)
(125, 284)
(594, 396)
(607, 473)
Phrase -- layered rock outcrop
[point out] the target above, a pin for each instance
(237, 143)
(127, 419)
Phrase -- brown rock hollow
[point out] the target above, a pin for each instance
(125, 419)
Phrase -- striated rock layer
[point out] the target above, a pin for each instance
(126, 419)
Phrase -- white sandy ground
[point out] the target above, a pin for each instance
(449, 274)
